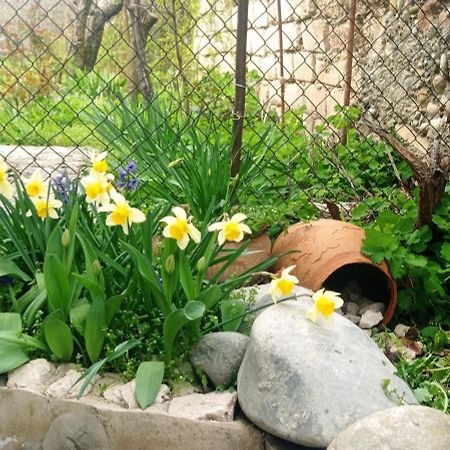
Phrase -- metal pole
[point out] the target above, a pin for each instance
(239, 108)
(349, 64)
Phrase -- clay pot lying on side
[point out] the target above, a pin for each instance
(260, 248)
(329, 255)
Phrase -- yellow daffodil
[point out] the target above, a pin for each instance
(98, 162)
(122, 213)
(325, 302)
(97, 187)
(6, 188)
(45, 207)
(180, 228)
(231, 229)
(282, 286)
(35, 185)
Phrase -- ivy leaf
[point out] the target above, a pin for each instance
(416, 261)
(379, 246)
(445, 251)
(423, 395)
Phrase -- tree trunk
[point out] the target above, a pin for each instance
(141, 22)
(81, 9)
(91, 18)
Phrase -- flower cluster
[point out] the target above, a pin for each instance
(61, 185)
(127, 179)
(41, 196)
(181, 228)
(99, 189)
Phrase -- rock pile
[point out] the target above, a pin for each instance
(361, 310)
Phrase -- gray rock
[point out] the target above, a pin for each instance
(274, 443)
(353, 318)
(76, 431)
(306, 382)
(400, 330)
(370, 319)
(405, 427)
(33, 376)
(351, 308)
(218, 406)
(375, 307)
(220, 355)
(124, 395)
(68, 386)
(259, 296)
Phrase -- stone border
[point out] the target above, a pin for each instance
(26, 416)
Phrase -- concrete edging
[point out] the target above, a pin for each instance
(27, 416)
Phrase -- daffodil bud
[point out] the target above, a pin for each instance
(97, 267)
(65, 238)
(169, 265)
(201, 263)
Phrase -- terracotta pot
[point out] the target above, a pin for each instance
(260, 244)
(329, 254)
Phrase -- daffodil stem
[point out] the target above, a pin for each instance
(259, 308)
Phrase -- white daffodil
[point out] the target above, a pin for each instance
(325, 302)
(99, 163)
(35, 185)
(121, 212)
(180, 228)
(97, 187)
(6, 188)
(45, 207)
(231, 229)
(282, 286)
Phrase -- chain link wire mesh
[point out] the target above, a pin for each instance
(74, 75)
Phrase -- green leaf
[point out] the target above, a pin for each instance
(416, 261)
(175, 321)
(11, 322)
(78, 314)
(149, 378)
(113, 305)
(146, 270)
(90, 373)
(30, 313)
(10, 268)
(211, 296)
(232, 313)
(54, 245)
(186, 278)
(445, 251)
(88, 283)
(59, 338)
(360, 211)
(94, 333)
(423, 395)
(379, 246)
(57, 284)
(11, 357)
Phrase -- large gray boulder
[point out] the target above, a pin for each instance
(219, 355)
(307, 382)
(257, 297)
(406, 427)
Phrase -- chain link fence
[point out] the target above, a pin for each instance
(347, 102)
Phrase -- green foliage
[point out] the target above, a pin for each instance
(418, 259)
